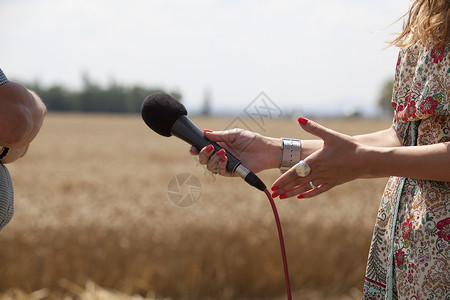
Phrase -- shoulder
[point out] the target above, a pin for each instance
(418, 57)
(422, 83)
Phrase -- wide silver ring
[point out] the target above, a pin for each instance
(302, 169)
(311, 184)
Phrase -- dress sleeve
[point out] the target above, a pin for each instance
(421, 88)
(422, 83)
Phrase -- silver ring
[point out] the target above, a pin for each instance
(302, 169)
(311, 184)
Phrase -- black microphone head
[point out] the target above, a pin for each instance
(160, 111)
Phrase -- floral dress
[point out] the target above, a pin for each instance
(410, 250)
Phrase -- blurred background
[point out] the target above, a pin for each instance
(322, 57)
(94, 217)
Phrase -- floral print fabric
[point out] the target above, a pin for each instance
(421, 84)
(410, 250)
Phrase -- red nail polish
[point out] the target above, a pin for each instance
(209, 148)
(222, 159)
(283, 196)
(302, 121)
(221, 152)
(207, 130)
(300, 196)
(274, 188)
(275, 194)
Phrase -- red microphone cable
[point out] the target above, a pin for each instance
(283, 250)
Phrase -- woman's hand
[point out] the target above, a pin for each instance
(336, 163)
(256, 152)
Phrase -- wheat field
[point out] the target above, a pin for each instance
(93, 220)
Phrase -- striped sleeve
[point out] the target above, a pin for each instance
(3, 78)
(6, 197)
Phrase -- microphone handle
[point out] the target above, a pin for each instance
(184, 129)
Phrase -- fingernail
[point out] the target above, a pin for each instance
(300, 196)
(209, 148)
(222, 159)
(302, 121)
(283, 196)
(221, 152)
(274, 188)
(275, 194)
(207, 130)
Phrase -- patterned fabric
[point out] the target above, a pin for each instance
(6, 197)
(6, 185)
(410, 250)
(3, 78)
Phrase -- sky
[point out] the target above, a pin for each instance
(305, 55)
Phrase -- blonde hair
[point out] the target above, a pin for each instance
(427, 22)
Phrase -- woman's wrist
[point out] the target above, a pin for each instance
(273, 152)
(309, 147)
(290, 153)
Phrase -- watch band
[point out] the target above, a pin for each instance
(291, 150)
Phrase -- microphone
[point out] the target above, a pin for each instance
(167, 116)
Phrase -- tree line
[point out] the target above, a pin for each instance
(92, 97)
(116, 98)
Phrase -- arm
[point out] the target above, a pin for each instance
(383, 138)
(21, 116)
(429, 162)
(345, 158)
(258, 152)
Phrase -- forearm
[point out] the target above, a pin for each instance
(430, 162)
(273, 151)
(383, 138)
(269, 149)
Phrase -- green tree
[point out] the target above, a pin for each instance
(93, 97)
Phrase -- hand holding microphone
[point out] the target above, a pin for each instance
(167, 117)
(256, 152)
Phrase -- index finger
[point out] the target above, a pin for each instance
(286, 181)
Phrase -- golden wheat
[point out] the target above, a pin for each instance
(92, 206)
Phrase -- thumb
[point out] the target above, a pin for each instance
(315, 129)
(226, 136)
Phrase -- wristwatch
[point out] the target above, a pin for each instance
(291, 150)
